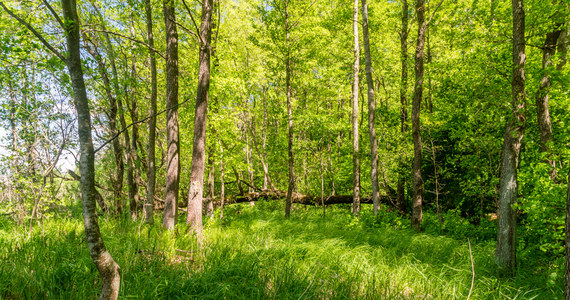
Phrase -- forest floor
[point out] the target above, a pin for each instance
(253, 253)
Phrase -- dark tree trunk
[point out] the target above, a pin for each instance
(173, 144)
(355, 144)
(151, 171)
(133, 157)
(416, 107)
(195, 196)
(371, 110)
(505, 255)
(290, 132)
(107, 267)
(403, 99)
(542, 97)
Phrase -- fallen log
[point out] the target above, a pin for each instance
(298, 198)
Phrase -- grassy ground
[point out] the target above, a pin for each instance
(255, 253)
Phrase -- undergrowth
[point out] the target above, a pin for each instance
(255, 253)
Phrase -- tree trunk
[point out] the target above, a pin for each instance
(355, 144)
(542, 96)
(403, 99)
(210, 197)
(264, 142)
(173, 144)
(371, 110)
(107, 267)
(195, 196)
(133, 157)
(416, 107)
(151, 171)
(223, 182)
(290, 136)
(567, 246)
(505, 255)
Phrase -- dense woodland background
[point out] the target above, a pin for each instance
(283, 113)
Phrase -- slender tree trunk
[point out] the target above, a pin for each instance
(264, 141)
(290, 132)
(542, 97)
(567, 246)
(107, 267)
(355, 144)
(371, 110)
(151, 171)
(133, 157)
(210, 197)
(195, 196)
(115, 106)
(223, 182)
(173, 143)
(403, 99)
(505, 255)
(416, 107)
(14, 166)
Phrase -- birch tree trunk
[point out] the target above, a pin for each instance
(505, 255)
(195, 196)
(173, 144)
(371, 110)
(355, 144)
(107, 267)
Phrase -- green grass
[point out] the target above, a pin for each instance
(255, 253)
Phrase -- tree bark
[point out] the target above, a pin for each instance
(107, 267)
(371, 110)
(210, 197)
(567, 244)
(542, 97)
(173, 143)
(403, 99)
(416, 107)
(505, 255)
(151, 171)
(290, 132)
(223, 182)
(195, 196)
(133, 157)
(355, 144)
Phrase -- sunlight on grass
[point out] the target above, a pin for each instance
(255, 253)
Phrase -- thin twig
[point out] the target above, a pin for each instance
(55, 15)
(35, 32)
(128, 38)
(138, 122)
(472, 269)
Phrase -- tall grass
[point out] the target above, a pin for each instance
(255, 253)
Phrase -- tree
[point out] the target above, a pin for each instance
(290, 129)
(173, 144)
(567, 245)
(542, 97)
(371, 110)
(403, 94)
(355, 145)
(151, 172)
(505, 255)
(196, 194)
(107, 267)
(416, 107)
